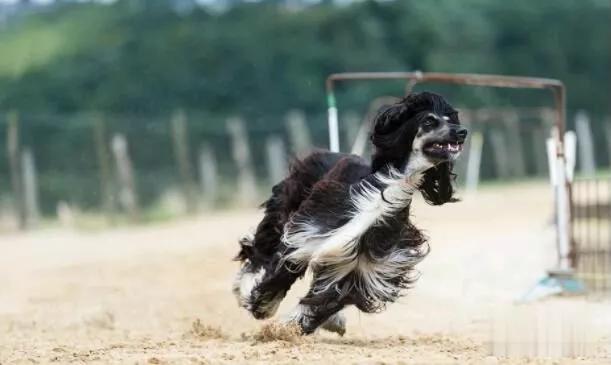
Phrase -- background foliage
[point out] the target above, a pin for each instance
(135, 62)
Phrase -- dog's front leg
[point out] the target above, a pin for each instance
(320, 309)
(309, 317)
(271, 290)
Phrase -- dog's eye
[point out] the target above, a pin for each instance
(429, 122)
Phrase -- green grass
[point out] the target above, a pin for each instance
(36, 41)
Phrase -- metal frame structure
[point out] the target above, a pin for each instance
(560, 178)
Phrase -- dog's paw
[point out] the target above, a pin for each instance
(265, 305)
(336, 323)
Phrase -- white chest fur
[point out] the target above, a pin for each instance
(335, 249)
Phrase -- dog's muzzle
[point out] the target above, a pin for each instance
(458, 133)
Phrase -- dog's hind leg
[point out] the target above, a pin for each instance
(336, 323)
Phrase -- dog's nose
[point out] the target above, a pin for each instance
(459, 133)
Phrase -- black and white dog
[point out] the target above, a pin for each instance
(347, 220)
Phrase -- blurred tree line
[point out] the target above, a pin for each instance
(144, 59)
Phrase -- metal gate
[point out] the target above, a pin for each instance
(591, 228)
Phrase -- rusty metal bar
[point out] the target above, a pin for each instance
(502, 81)
(449, 78)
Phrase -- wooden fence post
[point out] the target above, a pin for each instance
(501, 159)
(361, 140)
(514, 145)
(276, 159)
(351, 123)
(585, 144)
(474, 161)
(247, 186)
(13, 152)
(462, 164)
(298, 132)
(208, 175)
(180, 142)
(65, 214)
(30, 188)
(103, 156)
(125, 176)
(607, 126)
(538, 137)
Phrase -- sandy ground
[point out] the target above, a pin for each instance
(161, 294)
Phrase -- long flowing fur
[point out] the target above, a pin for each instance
(348, 220)
(334, 253)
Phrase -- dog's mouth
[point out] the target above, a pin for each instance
(443, 149)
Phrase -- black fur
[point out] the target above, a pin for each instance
(267, 250)
(319, 190)
(391, 134)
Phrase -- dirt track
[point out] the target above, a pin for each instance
(161, 294)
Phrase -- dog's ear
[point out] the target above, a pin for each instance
(436, 186)
(388, 119)
(389, 137)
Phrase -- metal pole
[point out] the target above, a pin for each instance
(333, 123)
(13, 151)
(566, 248)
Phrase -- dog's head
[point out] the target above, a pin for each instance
(420, 132)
